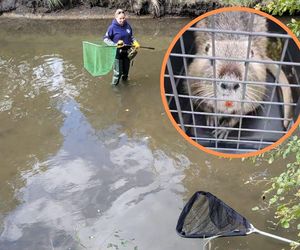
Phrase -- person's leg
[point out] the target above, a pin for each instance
(117, 71)
(126, 66)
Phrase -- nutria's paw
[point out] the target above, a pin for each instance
(221, 133)
(211, 121)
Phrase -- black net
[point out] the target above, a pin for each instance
(206, 216)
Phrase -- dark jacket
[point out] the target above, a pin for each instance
(116, 32)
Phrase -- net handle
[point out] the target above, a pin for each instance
(254, 230)
(141, 47)
(145, 47)
(125, 45)
(98, 45)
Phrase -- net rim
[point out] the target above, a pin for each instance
(186, 210)
(99, 45)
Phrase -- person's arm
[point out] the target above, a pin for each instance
(109, 42)
(109, 36)
(132, 37)
(134, 42)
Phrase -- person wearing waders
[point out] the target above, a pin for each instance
(119, 33)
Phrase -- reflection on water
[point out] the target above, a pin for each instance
(88, 166)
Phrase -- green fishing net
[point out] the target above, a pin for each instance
(98, 59)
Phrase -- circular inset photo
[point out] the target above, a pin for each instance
(230, 82)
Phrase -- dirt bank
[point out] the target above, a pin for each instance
(90, 9)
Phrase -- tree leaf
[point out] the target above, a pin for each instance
(285, 224)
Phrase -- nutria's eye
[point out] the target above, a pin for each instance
(207, 47)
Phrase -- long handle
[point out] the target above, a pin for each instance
(276, 237)
(125, 45)
(141, 47)
(145, 47)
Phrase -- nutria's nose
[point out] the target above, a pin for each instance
(223, 86)
(234, 86)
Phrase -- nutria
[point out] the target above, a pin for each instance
(232, 46)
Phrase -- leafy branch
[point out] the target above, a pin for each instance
(279, 7)
(284, 190)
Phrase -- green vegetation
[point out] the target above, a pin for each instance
(283, 191)
(121, 243)
(55, 4)
(244, 3)
(294, 25)
(273, 7)
(279, 7)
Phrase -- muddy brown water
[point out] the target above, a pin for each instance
(88, 166)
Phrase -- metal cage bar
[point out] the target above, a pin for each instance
(236, 129)
(236, 59)
(242, 101)
(174, 89)
(285, 46)
(233, 115)
(213, 37)
(245, 79)
(188, 85)
(234, 81)
(245, 33)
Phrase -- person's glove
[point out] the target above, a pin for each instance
(120, 44)
(135, 44)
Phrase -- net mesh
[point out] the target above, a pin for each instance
(98, 59)
(206, 216)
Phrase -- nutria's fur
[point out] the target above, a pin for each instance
(232, 46)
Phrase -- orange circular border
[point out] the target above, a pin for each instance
(162, 87)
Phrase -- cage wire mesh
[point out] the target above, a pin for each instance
(253, 130)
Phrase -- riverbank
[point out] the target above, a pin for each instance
(96, 9)
(78, 13)
(65, 9)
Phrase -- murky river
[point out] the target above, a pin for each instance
(88, 166)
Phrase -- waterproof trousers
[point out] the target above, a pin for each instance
(121, 69)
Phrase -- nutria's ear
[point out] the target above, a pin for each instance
(201, 38)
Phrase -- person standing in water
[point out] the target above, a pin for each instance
(120, 33)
